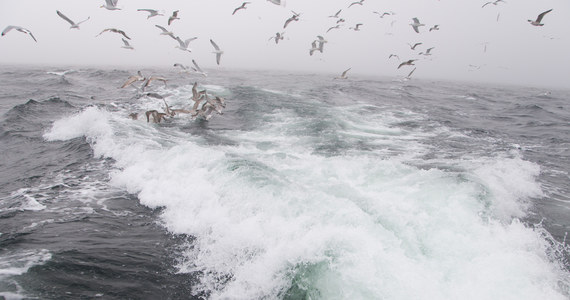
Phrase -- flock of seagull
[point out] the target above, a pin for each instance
(210, 103)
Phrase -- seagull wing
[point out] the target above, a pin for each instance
(125, 42)
(197, 67)
(215, 45)
(344, 73)
(7, 29)
(122, 33)
(162, 28)
(539, 18)
(218, 56)
(64, 17)
(83, 21)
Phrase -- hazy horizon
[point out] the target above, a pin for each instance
(494, 44)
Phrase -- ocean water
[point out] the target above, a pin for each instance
(304, 188)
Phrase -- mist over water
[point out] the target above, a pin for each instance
(305, 187)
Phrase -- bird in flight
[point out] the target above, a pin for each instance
(73, 24)
(115, 31)
(241, 7)
(217, 51)
(539, 19)
(416, 24)
(20, 29)
(110, 5)
(343, 76)
(151, 12)
(173, 17)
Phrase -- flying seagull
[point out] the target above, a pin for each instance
(182, 67)
(410, 74)
(356, 3)
(313, 48)
(184, 44)
(217, 51)
(394, 55)
(18, 28)
(334, 27)
(197, 69)
(407, 63)
(414, 46)
(110, 5)
(73, 24)
(173, 17)
(416, 24)
(151, 79)
(492, 2)
(151, 12)
(382, 14)
(336, 15)
(539, 19)
(357, 27)
(343, 76)
(115, 31)
(165, 32)
(278, 36)
(427, 52)
(435, 27)
(133, 78)
(295, 17)
(241, 7)
(127, 45)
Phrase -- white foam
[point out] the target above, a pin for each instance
(280, 218)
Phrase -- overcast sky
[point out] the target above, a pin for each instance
(494, 43)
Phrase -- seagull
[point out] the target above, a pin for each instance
(313, 48)
(133, 78)
(127, 45)
(407, 63)
(295, 17)
(278, 36)
(341, 20)
(427, 51)
(115, 31)
(241, 7)
(357, 27)
(173, 17)
(394, 55)
(217, 51)
(416, 24)
(382, 14)
(435, 27)
(18, 28)
(151, 12)
(539, 19)
(492, 2)
(151, 79)
(110, 5)
(156, 116)
(336, 15)
(355, 3)
(410, 74)
(181, 66)
(343, 76)
(73, 24)
(334, 27)
(165, 32)
(198, 70)
(414, 46)
(184, 44)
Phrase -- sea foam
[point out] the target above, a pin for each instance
(273, 218)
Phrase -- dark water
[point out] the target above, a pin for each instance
(311, 177)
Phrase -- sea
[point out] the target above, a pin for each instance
(305, 187)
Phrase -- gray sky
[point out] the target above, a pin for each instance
(516, 52)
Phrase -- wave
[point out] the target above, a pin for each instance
(273, 216)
